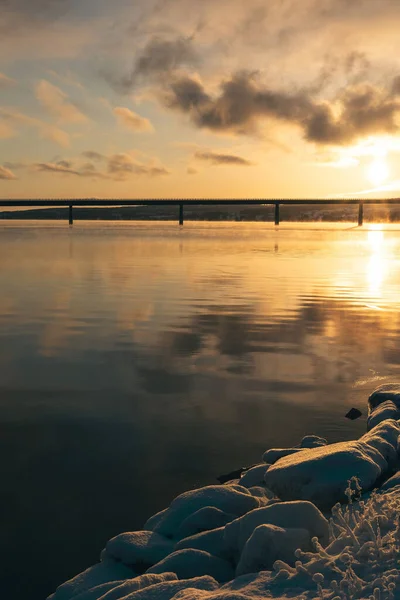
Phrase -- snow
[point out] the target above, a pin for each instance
(297, 515)
(269, 543)
(138, 549)
(193, 563)
(231, 499)
(238, 542)
(103, 572)
(321, 474)
(204, 519)
(254, 476)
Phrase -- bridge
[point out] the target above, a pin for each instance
(180, 203)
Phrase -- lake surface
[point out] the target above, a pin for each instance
(141, 360)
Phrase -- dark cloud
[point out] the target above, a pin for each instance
(158, 58)
(92, 155)
(243, 102)
(222, 159)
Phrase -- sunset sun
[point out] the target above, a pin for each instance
(377, 171)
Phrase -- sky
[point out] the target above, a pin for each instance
(201, 99)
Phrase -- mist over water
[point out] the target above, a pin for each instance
(139, 360)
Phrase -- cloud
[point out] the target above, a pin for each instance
(222, 159)
(11, 120)
(123, 165)
(157, 58)
(118, 167)
(6, 81)
(6, 173)
(55, 102)
(244, 102)
(92, 155)
(130, 119)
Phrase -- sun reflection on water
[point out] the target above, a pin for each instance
(377, 265)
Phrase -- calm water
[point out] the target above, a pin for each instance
(138, 360)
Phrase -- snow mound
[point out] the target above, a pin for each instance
(204, 519)
(138, 549)
(269, 543)
(312, 441)
(388, 391)
(392, 482)
(288, 515)
(104, 572)
(230, 499)
(384, 411)
(120, 590)
(254, 476)
(209, 541)
(321, 474)
(168, 590)
(274, 454)
(193, 563)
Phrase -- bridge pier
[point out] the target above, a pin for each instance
(277, 213)
(181, 214)
(70, 215)
(360, 214)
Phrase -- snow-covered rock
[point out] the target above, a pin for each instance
(208, 541)
(204, 519)
(387, 391)
(384, 411)
(254, 476)
(193, 563)
(321, 474)
(293, 515)
(104, 572)
(274, 454)
(138, 549)
(168, 590)
(236, 500)
(269, 543)
(120, 590)
(391, 483)
(312, 441)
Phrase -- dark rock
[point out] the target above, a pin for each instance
(353, 414)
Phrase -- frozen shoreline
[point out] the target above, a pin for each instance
(314, 521)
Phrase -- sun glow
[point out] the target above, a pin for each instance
(378, 171)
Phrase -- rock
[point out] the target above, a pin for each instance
(229, 499)
(269, 543)
(138, 549)
(203, 520)
(193, 563)
(288, 515)
(353, 414)
(321, 475)
(254, 476)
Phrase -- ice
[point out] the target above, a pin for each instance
(103, 572)
(230, 499)
(254, 476)
(321, 474)
(204, 519)
(138, 549)
(294, 515)
(269, 543)
(193, 563)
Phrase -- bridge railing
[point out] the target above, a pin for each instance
(182, 202)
